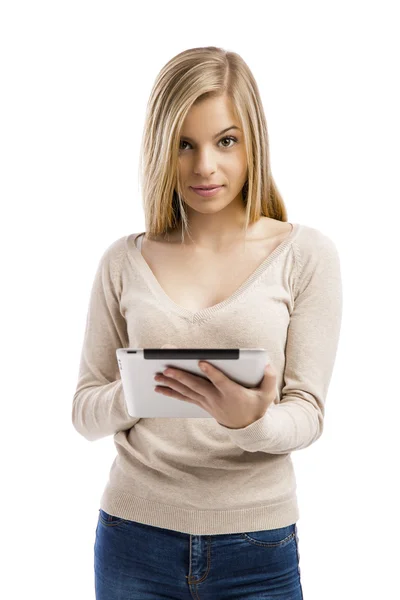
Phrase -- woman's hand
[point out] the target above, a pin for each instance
(231, 404)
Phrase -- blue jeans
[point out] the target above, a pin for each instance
(134, 561)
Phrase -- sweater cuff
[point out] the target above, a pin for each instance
(258, 435)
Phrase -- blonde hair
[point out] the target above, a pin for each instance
(187, 79)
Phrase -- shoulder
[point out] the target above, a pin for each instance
(315, 255)
(116, 252)
(311, 243)
(311, 237)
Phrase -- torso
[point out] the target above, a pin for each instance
(199, 279)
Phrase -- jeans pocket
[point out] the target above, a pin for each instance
(271, 538)
(109, 520)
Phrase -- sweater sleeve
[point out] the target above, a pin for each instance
(98, 407)
(296, 421)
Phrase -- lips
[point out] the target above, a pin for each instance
(203, 187)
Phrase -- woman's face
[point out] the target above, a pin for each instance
(206, 158)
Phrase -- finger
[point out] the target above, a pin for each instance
(217, 377)
(195, 382)
(269, 380)
(174, 394)
(183, 384)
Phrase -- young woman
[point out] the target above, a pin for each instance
(207, 508)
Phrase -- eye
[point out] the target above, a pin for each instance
(229, 137)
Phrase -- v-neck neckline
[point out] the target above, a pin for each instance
(198, 315)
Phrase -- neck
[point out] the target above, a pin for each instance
(215, 230)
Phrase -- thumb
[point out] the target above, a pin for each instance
(268, 383)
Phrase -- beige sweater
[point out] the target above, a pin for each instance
(194, 475)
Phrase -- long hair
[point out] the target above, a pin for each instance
(188, 78)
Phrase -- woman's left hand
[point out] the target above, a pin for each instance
(231, 404)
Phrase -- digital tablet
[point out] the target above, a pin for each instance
(138, 366)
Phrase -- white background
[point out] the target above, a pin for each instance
(75, 79)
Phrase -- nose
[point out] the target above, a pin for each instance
(204, 164)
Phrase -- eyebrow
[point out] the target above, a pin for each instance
(216, 135)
